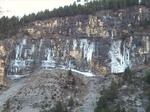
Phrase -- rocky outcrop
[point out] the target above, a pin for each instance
(106, 42)
(2, 64)
(44, 89)
(104, 24)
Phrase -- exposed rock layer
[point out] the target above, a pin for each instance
(107, 41)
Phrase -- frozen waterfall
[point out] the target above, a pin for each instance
(49, 62)
(120, 57)
(81, 54)
(87, 48)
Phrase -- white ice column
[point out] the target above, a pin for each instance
(91, 48)
(120, 57)
(49, 62)
(87, 47)
(74, 44)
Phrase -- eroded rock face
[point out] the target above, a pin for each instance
(99, 56)
(80, 54)
(2, 64)
(79, 26)
(2, 72)
(105, 42)
(102, 24)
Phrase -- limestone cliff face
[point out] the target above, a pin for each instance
(78, 26)
(103, 24)
(105, 42)
(2, 64)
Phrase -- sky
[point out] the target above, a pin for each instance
(24, 7)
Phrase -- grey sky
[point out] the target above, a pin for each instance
(20, 7)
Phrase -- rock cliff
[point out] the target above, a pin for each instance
(108, 41)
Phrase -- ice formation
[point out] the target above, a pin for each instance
(120, 57)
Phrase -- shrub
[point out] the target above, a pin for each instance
(148, 108)
(60, 107)
(147, 80)
(147, 77)
(102, 105)
(118, 108)
(128, 75)
(70, 73)
(71, 102)
(71, 79)
(108, 96)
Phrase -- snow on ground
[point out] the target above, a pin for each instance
(13, 77)
(88, 74)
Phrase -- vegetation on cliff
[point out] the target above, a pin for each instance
(108, 96)
(147, 88)
(147, 77)
(9, 26)
(74, 9)
(124, 95)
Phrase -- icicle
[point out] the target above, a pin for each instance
(49, 62)
(49, 58)
(17, 52)
(32, 49)
(24, 41)
(74, 44)
(140, 1)
(90, 51)
(119, 60)
(41, 43)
